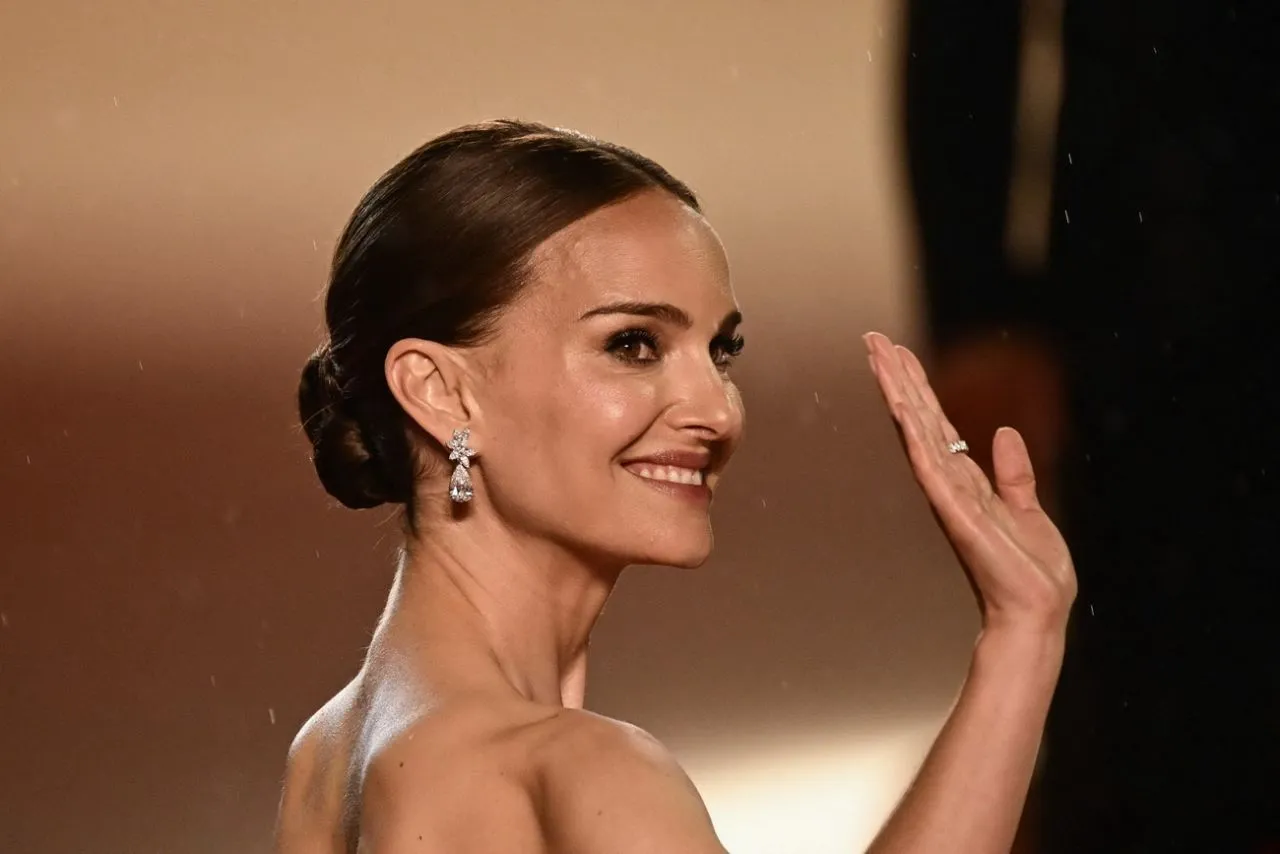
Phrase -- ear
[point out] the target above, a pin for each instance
(431, 382)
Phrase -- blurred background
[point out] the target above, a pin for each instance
(1070, 208)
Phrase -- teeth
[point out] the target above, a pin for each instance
(671, 474)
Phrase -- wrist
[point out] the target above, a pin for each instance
(1020, 651)
(1027, 626)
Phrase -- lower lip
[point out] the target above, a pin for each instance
(699, 492)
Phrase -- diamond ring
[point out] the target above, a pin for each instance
(959, 446)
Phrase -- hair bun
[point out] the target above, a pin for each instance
(347, 467)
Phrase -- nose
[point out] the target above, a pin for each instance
(705, 401)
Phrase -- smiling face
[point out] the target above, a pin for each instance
(608, 409)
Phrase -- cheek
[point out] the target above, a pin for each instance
(599, 418)
(574, 421)
(616, 412)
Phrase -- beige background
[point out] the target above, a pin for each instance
(176, 592)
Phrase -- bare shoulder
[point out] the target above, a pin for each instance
(459, 779)
(312, 801)
(606, 785)
(483, 779)
(447, 777)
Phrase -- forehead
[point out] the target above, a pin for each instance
(648, 248)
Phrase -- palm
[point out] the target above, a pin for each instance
(1016, 558)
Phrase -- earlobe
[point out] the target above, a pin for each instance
(429, 382)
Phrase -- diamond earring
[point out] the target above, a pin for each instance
(460, 484)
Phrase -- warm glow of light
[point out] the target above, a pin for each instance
(812, 794)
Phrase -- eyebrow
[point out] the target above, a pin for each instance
(664, 311)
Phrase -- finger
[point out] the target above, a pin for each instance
(917, 375)
(888, 370)
(927, 459)
(920, 394)
(1015, 479)
(893, 373)
(910, 416)
(895, 353)
(936, 427)
(943, 429)
(921, 430)
(891, 362)
(960, 511)
(947, 478)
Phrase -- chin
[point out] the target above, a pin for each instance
(687, 562)
(681, 540)
(690, 554)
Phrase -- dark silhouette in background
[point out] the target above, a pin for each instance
(1151, 328)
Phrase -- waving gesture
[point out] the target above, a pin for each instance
(1016, 559)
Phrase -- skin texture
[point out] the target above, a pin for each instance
(464, 729)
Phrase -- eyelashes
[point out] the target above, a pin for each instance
(730, 345)
(639, 346)
(635, 346)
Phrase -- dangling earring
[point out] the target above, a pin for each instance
(460, 484)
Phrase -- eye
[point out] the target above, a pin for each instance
(636, 346)
(726, 348)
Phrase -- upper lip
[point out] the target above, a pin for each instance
(694, 460)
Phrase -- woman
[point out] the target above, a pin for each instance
(531, 335)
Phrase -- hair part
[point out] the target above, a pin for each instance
(436, 249)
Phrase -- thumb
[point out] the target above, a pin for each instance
(1015, 479)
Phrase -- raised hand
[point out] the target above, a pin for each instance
(1016, 559)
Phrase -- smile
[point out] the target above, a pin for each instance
(668, 474)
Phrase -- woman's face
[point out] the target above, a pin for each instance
(607, 407)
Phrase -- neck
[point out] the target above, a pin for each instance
(525, 605)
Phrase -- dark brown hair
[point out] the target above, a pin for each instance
(435, 250)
